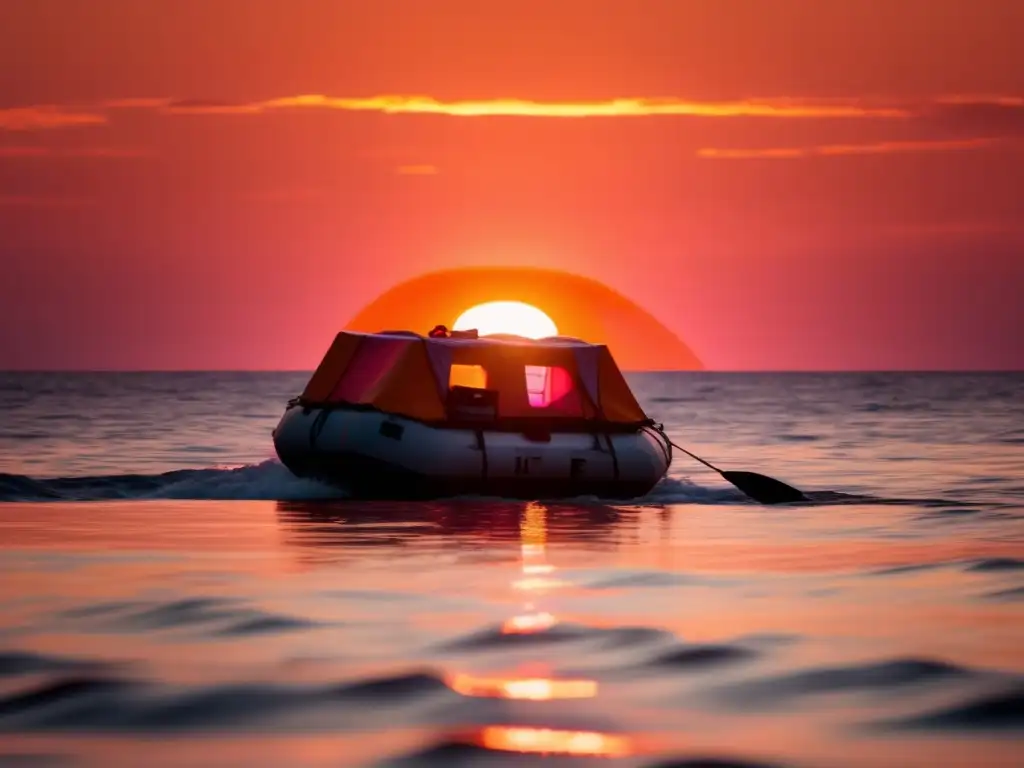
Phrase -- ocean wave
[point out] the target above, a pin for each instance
(447, 752)
(633, 579)
(100, 703)
(267, 481)
(271, 481)
(1012, 594)
(999, 711)
(495, 638)
(36, 760)
(218, 616)
(672, 490)
(996, 565)
(702, 656)
(712, 762)
(993, 565)
(880, 677)
(13, 663)
(467, 750)
(119, 704)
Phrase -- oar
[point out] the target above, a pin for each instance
(761, 488)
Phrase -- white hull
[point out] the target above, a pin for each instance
(381, 455)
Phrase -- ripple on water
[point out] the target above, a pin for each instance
(468, 750)
(900, 570)
(219, 616)
(999, 711)
(627, 579)
(995, 564)
(35, 760)
(712, 762)
(110, 703)
(880, 676)
(13, 663)
(701, 657)
(498, 638)
(80, 702)
(495, 638)
(392, 687)
(516, 745)
(451, 752)
(1007, 595)
(982, 565)
(948, 513)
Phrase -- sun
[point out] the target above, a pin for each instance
(513, 317)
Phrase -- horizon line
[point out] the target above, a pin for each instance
(73, 371)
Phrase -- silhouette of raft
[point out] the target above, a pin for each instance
(398, 415)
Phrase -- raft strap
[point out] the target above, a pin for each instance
(615, 458)
(319, 421)
(481, 446)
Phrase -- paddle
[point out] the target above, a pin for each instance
(761, 488)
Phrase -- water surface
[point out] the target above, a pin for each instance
(172, 596)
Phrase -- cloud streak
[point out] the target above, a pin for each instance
(968, 109)
(48, 116)
(623, 107)
(948, 123)
(845, 150)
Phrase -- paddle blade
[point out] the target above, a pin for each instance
(764, 489)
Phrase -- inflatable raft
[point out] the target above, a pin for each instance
(399, 415)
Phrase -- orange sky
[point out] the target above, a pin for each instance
(784, 184)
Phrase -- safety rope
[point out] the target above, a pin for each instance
(657, 429)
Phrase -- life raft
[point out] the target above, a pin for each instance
(384, 416)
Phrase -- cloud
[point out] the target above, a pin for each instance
(624, 107)
(979, 115)
(998, 111)
(945, 123)
(204, 107)
(41, 117)
(840, 150)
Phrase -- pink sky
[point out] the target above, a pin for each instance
(786, 185)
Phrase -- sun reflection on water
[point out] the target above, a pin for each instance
(534, 689)
(526, 623)
(533, 535)
(551, 741)
(536, 577)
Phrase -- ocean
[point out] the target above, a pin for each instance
(170, 595)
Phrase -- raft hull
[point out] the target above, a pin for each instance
(377, 455)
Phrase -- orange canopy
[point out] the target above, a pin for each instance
(411, 375)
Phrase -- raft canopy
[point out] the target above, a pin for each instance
(428, 379)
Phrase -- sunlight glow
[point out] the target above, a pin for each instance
(530, 688)
(550, 741)
(533, 536)
(528, 623)
(537, 584)
(512, 317)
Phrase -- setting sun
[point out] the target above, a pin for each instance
(512, 317)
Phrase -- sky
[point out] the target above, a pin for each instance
(785, 184)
